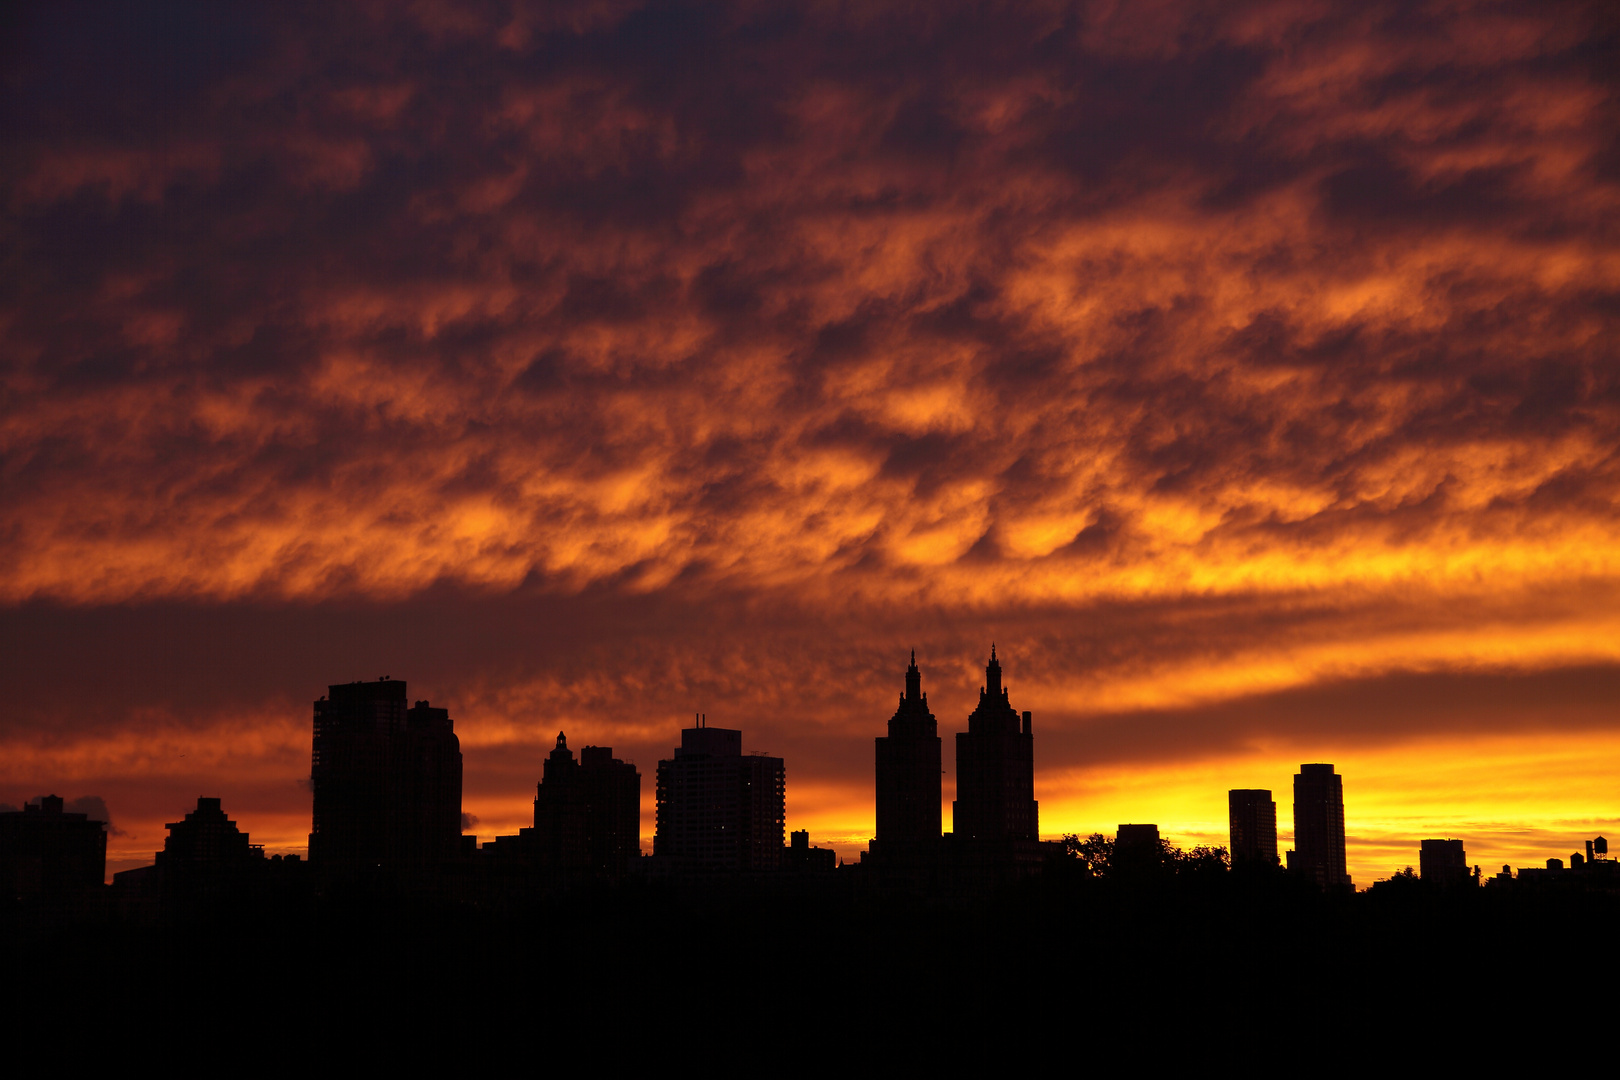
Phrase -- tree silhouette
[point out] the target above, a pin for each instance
(1098, 856)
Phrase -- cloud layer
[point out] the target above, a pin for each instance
(1200, 353)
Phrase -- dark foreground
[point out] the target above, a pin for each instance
(818, 971)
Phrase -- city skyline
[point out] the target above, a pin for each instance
(386, 822)
(1247, 373)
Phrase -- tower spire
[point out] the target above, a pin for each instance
(913, 679)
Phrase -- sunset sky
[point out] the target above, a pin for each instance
(1248, 373)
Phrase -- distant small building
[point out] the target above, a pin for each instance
(50, 857)
(1592, 871)
(1443, 863)
(802, 858)
(1137, 849)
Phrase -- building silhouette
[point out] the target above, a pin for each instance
(908, 782)
(995, 770)
(719, 810)
(1319, 827)
(1253, 817)
(1443, 863)
(50, 857)
(206, 861)
(587, 813)
(1137, 850)
(210, 869)
(800, 857)
(386, 780)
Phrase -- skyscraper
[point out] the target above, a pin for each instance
(1253, 817)
(587, 814)
(387, 782)
(908, 780)
(720, 811)
(1319, 827)
(995, 770)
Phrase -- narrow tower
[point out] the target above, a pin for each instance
(908, 784)
(1319, 827)
(995, 770)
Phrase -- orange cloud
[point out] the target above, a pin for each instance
(1204, 354)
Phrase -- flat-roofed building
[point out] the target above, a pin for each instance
(1253, 817)
(720, 810)
(50, 856)
(1443, 863)
(1319, 852)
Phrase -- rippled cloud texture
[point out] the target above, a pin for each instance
(1247, 372)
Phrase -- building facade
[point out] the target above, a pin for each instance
(1253, 817)
(1319, 827)
(995, 770)
(908, 779)
(386, 780)
(720, 810)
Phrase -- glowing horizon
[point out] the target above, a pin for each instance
(1246, 372)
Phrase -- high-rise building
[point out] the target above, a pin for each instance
(720, 810)
(908, 780)
(995, 770)
(1319, 827)
(1253, 817)
(387, 782)
(50, 856)
(587, 813)
(1443, 862)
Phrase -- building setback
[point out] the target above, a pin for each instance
(1319, 827)
(387, 782)
(908, 780)
(1253, 816)
(720, 811)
